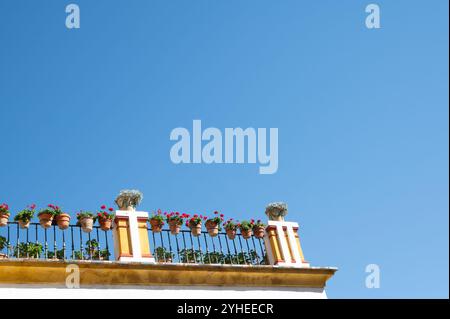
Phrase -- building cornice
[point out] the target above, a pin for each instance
(110, 274)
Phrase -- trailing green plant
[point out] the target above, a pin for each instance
(250, 258)
(162, 254)
(26, 215)
(28, 250)
(3, 242)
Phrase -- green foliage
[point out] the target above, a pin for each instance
(190, 256)
(91, 252)
(3, 242)
(25, 215)
(28, 250)
(59, 254)
(162, 254)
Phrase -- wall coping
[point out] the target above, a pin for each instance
(113, 273)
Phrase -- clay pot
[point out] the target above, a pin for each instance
(174, 227)
(105, 223)
(24, 224)
(3, 256)
(45, 219)
(231, 233)
(246, 233)
(258, 231)
(212, 228)
(63, 221)
(87, 224)
(156, 225)
(196, 230)
(4, 219)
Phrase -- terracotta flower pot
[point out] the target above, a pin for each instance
(156, 225)
(212, 228)
(24, 224)
(105, 223)
(196, 230)
(259, 232)
(87, 224)
(63, 221)
(4, 219)
(174, 227)
(231, 233)
(246, 233)
(3, 256)
(45, 220)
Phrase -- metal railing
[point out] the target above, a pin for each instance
(204, 249)
(53, 243)
(74, 244)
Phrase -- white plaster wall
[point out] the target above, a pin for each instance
(159, 292)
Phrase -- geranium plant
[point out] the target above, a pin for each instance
(246, 228)
(86, 221)
(4, 214)
(175, 220)
(24, 216)
(258, 229)
(105, 217)
(213, 225)
(157, 221)
(195, 224)
(230, 228)
(47, 214)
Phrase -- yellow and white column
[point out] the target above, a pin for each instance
(131, 243)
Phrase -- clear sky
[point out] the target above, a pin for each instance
(362, 117)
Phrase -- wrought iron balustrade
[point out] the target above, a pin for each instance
(53, 243)
(204, 249)
(74, 244)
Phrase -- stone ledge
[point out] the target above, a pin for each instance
(112, 273)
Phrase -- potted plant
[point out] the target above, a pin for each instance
(175, 220)
(230, 228)
(3, 244)
(4, 214)
(276, 211)
(195, 224)
(62, 219)
(28, 250)
(157, 221)
(46, 216)
(213, 224)
(86, 221)
(24, 217)
(129, 199)
(105, 218)
(259, 229)
(163, 255)
(246, 228)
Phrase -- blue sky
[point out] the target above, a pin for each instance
(362, 118)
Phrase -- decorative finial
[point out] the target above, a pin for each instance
(129, 199)
(276, 211)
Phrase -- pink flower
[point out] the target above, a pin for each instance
(103, 207)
